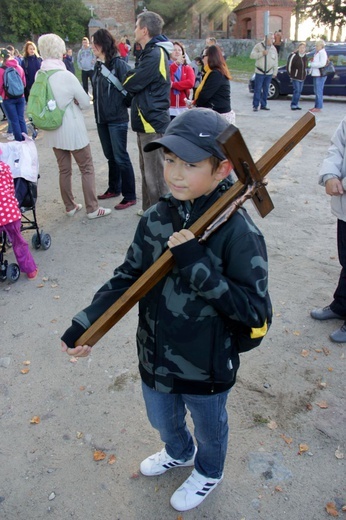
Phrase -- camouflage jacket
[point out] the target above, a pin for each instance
(183, 339)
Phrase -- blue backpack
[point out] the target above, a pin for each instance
(13, 83)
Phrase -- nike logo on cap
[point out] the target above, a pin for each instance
(204, 135)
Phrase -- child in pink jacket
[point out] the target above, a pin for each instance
(10, 221)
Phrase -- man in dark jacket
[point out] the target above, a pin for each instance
(149, 83)
(296, 68)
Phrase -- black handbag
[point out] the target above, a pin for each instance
(328, 69)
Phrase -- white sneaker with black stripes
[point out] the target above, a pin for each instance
(161, 462)
(193, 491)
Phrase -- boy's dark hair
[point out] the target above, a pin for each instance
(152, 21)
(106, 41)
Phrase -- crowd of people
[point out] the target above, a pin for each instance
(216, 297)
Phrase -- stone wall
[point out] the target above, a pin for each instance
(232, 47)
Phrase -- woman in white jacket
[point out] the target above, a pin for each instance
(71, 138)
(319, 60)
(333, 176)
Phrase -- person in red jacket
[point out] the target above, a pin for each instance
(10, 222)
(182, 80)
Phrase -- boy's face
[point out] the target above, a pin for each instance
(188, 181)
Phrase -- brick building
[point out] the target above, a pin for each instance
(250, 18)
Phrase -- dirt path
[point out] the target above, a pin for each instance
(290, 391)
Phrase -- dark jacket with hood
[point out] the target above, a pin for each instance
(149, 83)
(184, 341)
(109, 102)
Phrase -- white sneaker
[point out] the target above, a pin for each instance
(193, 491)
(10, 137)
(100, 212)
(140, 212)
(161, 462)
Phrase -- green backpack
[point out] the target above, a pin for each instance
(42, 109)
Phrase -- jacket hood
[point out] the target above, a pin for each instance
(162, 41)
(12, 62)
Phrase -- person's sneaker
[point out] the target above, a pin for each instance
(255, 109)
(32, 276)
(125, 204)
(10, 137)
(325, 313)
(193, 491)
(100, 212)
(108, 195)
(339, 336)
(72, 212)
(140, 212)
(161, 462)
(265, 108)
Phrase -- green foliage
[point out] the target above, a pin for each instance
(27, 19)
(170, 11)
(331, 13)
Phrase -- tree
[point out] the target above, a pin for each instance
(331, 13)
(27, 19)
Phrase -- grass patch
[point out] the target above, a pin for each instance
(244, 64)
(259, 419)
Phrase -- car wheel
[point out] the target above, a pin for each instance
(273, 90)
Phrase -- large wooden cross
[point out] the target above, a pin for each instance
(249, 185)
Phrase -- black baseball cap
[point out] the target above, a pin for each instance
(191, 136)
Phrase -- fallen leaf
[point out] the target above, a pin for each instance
(322, 385)
(331, 509)
(278, 488)
(303, 448)
(112, 459)
(322, 404)
(99, 455)
(25, 370)
(135, 475)
(81, 388)
(296, 333)
(343, 508)
(339, 454)
(40, 285)
(45, 279)
(35, 420)
(26, 363)
(56, 297)
(79, 435)
(288, 440)
(326, 351)
(304, 353)
(309, 406)
(73, 360)
(54, 320)
(179, 517)
(330, 369)
(54, 285)
(272, 425)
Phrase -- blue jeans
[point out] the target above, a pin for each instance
(121, 177)
(262, 82)
(14, 109)
(9, 124)
(297, 90)
(166, 413)
(319, 82)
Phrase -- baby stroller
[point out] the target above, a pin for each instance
(23, 161)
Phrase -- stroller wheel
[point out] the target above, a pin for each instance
(46, 241)
(13, 272)
(36, 241)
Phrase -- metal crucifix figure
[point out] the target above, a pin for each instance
(250, 185)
